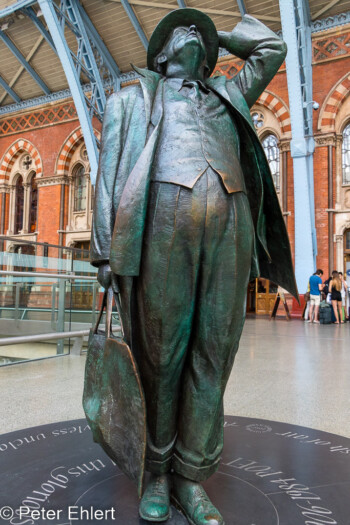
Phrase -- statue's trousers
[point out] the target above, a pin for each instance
(190, 310)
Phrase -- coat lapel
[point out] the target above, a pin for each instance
(231, 93)
(125, 257)
(149, 81)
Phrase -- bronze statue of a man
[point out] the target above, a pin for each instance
(185, 215)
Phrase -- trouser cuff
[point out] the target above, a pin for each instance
(158, 460)
(158, 467)
(193, 472)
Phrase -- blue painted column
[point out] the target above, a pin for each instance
(296, 32)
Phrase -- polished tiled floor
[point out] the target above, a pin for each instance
(285, 371)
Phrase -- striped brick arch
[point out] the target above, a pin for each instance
(278, 108)
(332, 104)
(17, 148)
(74, 140)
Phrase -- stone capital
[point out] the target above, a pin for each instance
(284, 145)
(52, 181)
(328, 139)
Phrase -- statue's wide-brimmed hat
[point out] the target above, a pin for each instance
(184, 17)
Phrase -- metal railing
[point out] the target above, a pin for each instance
(47, 275)
(59, 298)
(40, 337)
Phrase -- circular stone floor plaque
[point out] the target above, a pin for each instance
(271, 474)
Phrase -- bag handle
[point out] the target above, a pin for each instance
(119, 309)
(109, 309)
(107, 302)
(103, 306)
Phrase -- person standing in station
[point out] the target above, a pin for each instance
(335, 287)
(316, 287)
(344, 289)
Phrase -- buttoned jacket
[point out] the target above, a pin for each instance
(131, 129)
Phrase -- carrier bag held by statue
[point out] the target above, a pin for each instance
(113, 398)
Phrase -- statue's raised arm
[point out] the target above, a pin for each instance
(262, 50)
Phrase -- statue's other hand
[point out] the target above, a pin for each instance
(104, 275)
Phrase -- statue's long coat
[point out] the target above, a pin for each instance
(131, 128)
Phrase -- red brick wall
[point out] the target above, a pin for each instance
(321, 204)
(49, 213)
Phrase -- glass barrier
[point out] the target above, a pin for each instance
(45, 290)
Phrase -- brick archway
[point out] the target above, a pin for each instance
(74, 140)
(332, 104)
(278, 108)
(11, 155)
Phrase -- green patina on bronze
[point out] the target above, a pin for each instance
(185, 215)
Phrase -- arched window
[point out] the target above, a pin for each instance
(33, 204)
(80, 184)
(19, 204)
(346, 155)
(272, 153)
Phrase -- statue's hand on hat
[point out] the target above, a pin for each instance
(232, 42)
(248, 36)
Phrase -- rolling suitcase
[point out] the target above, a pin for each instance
(325, 313)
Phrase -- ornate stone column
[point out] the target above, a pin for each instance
(339, 240)
(4, 191)
(284, 146)
(12, 206)
(26, 206)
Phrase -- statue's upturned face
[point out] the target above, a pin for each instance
(181, 38)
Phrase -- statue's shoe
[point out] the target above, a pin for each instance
(193, 501)
(155, 503)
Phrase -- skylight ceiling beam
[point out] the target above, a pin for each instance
(9, 90)
(208, 11)
(20, 70)
(326, 8)
(29, 11)
(9, 10)
(11, 46)
(182, 4)
(135, 22)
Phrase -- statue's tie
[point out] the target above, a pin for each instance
(193, 91)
